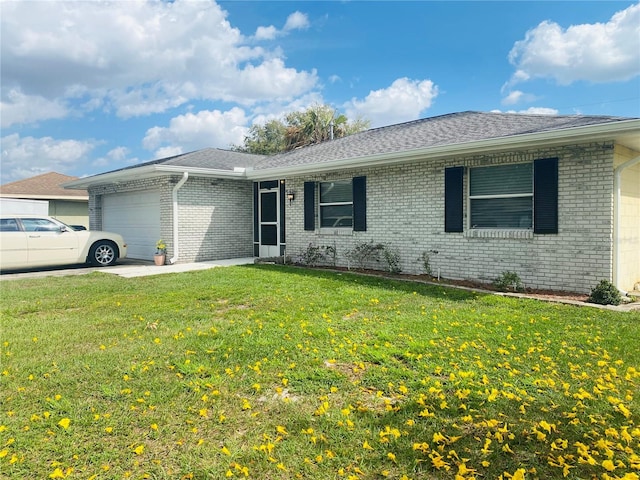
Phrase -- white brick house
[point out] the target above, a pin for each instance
(555, 199)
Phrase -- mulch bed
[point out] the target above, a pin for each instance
(469, 284)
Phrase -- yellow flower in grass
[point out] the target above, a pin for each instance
(64, 423)
(57, 473)
(608, 465)
(519, 474)
(139, 450)
(437, 461)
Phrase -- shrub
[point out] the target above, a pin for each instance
(392, 257)
(605, 293)
(363, 253)
(330, 254)
(508, 281)
(426, 263)
(312, 255)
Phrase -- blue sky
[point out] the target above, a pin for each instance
(89, 87)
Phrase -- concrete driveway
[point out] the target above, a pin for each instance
(127, 268)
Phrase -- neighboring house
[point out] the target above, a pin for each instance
(44, 194)
(555, 199)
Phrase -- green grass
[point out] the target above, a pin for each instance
(271, 372)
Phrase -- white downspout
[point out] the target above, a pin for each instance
(617, 174)
(174, 194)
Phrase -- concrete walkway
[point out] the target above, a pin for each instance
(146, 269)
(127, 268)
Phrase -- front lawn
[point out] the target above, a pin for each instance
(269, 372)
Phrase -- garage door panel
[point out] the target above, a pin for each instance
(136, 216)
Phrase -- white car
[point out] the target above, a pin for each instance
(28, 241)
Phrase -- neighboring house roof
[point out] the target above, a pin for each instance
(47, 186)
(445, 135)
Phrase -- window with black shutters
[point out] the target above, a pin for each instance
(521, 196)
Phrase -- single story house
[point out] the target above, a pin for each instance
(46, 193)
(555, 199)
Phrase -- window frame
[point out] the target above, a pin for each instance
(322, 204)
(530, 195)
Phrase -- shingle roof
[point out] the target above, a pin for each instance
(441, 131)
(451, 129)
(45, 185)
(213, 158)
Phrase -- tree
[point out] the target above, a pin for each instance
(316, 124)
(265, 139)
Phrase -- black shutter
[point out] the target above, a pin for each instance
(282, 212)
(453, 199)
(545, 196)
(256, 223)
(256, 213)
(309, 205)
(359, 185)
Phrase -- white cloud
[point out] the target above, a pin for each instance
(532, 111)
(137, 57)
(402, 101)
(600, 52)
(19, 108)
(296, 21)
(194, 131)
(28, 156)
(517, 96)
(278, 110)
(118, 155)
(167, 152)
(266, 33)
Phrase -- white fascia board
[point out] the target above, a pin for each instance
(149, 171)
(552, 138)
(203, 172)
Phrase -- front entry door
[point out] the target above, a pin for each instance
(269, 221)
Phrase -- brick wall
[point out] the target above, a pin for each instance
(405, 208)
(216, 219)
(215, 216)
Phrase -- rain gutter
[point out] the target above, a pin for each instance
(174, 194)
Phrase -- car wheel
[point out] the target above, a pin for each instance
(103, 253)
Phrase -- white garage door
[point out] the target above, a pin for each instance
(135, 216)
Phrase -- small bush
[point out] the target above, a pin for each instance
(312, 255)
(330, 254)
(605, 293)
(508, 281)
(392, 257)
(364, 253)
(426, 263)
